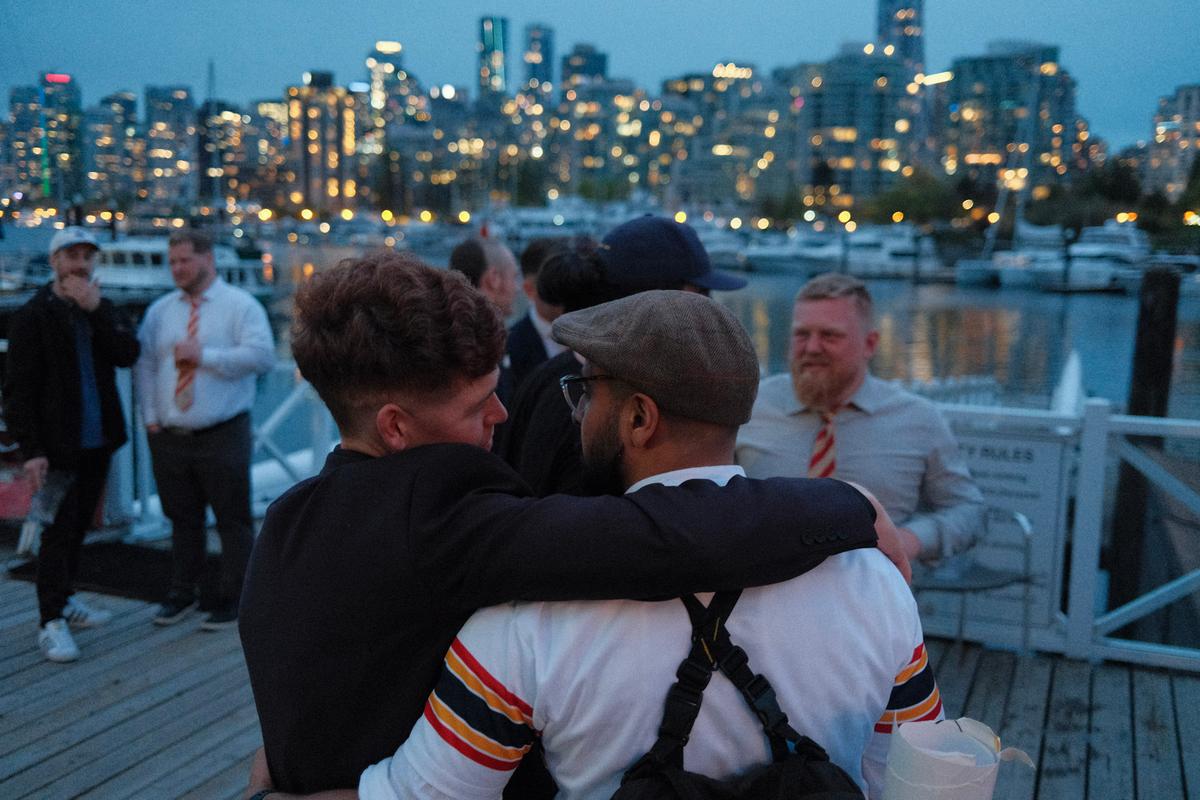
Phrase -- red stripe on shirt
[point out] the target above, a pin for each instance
(496, 686)
(452, 739)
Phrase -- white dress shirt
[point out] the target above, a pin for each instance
(237, 346)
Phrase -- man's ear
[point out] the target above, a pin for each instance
(640, 419)
(872, 343)
(393, 426)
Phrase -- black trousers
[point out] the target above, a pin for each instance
(58, 556)
(206, 468)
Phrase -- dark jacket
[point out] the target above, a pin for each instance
(42, 397)
(362, 576)
(541, 441)
(525, 349)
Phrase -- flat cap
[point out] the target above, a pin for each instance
(686, 351)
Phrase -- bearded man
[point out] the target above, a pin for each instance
(829, 417)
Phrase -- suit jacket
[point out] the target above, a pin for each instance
(362, 576)
(525, 349)
(42, 398)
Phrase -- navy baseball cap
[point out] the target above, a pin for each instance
(652, 252)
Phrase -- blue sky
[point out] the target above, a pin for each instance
(1124, 55)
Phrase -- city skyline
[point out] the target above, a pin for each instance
(1123, 63)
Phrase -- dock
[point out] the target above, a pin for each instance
(153, 712)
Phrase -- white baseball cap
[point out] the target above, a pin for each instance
(73, 235)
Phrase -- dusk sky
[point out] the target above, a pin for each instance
(1124, 55)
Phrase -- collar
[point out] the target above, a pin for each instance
(205, 296)
(542, 327)
(719, 475)
(870, 395)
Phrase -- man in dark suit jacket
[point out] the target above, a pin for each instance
(529, 340)
(362, 575)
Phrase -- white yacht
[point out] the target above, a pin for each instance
(139, 264)
(803, 250)
(1097, 259)
(1037, 248)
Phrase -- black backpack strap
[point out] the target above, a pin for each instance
(758, 693)
(686, 694)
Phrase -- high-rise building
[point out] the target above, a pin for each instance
(221, 153)
(584, 64)
(25, 135)
(171, 166)
(264, 176)
(46, 130)
(901, 32)
(857, 115)
(1176, 140)
(1011, 117)
(539, 59)
(322, 137)
(493, 57)
(110, 129)
(394, 96)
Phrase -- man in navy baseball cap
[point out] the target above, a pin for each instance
(651, 252)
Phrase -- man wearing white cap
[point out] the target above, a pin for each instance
(62, 408)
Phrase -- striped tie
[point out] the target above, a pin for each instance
(185, 379)
(823, 461)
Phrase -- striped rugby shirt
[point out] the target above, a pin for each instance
(842, 646)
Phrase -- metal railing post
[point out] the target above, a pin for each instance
(1086, 535)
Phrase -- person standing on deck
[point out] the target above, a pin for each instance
(62, 408)
(202, 347)
(829, 417)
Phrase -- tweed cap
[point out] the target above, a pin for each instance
(686, 351)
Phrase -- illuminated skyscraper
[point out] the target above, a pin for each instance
(110, 130)
(493, 56)
(539, 58)
(171, 169)
(1176, 140)
(1011, 116)
(901, 27)
(46, 148)
(322, 136)
(583, 64)
(222, 153)
(25, 136)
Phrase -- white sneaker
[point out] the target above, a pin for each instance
(56, 643)
(79, 614)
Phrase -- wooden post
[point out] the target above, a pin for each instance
(1149, 390)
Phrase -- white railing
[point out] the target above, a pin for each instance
(1093, 441)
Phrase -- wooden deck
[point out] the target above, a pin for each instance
(153, 712)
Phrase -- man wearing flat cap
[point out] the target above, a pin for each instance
(62, 408)
(669, 376)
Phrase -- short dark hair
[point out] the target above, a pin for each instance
(832, 285)
(538, 250)
(469, 259)
(200, 241)
(388, 322)
(574, 277)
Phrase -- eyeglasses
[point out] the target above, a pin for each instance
(575, 388)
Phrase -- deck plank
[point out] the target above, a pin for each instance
(77, 769)
(228, 784)
(1024, 717)
(33, 743)
(1187, 716)
(1156, 750)
(195, 775)
(1110, 739)
(955, 673)
(1063, 770)
(169, 763)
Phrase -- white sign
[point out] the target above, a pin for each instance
(1025, 472)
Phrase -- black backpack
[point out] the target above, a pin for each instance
(800, 767)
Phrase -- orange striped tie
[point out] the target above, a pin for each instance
(185, 379)
(823, 461)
